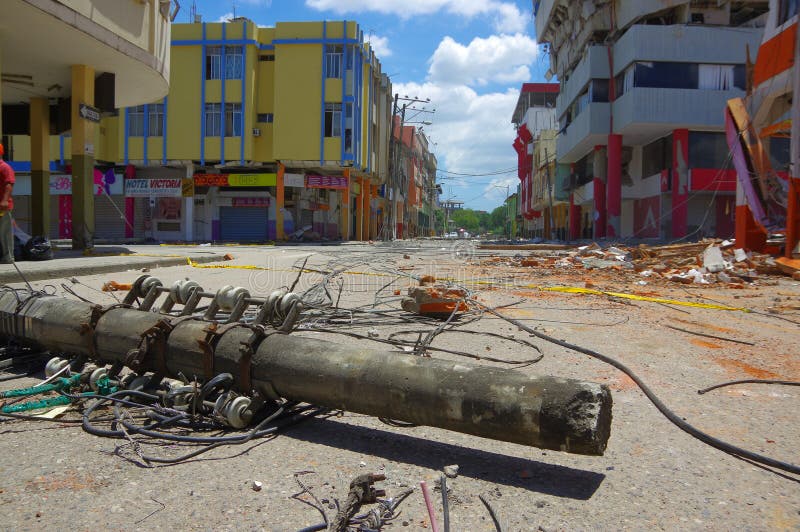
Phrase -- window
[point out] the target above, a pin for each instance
(213, 62)
(233, 119)
(708, 150)
(136, 121)
(666, 75)
(333, 61)
(598, 90)
(266, 57)
(787, 9)
(715, 77)
(234, 62)
(213, 119)
(155, 119)
(333, 120)
(780, 153)
(348, 128)
(657, 156)
(266, 118)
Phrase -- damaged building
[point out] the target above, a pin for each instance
(644, 87)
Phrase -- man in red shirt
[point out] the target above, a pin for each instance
(6, 205)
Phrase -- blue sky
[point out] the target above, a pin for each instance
(470, 57)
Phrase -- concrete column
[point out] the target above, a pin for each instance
(366, 195)
(359, 229)
(188, 208)
(680, 183)
(40, 166)
(345, 211)
(599, 219)
(614, 186)
(279, 203)
(574, 218)
(82, 159)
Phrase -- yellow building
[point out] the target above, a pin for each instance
(281, 129)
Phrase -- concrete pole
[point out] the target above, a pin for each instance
(497, 403)
(40, 166)
(82, 159)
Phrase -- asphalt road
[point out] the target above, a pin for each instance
(652, 476)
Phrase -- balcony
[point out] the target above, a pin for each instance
(587, 130)
(644, 114)
(685, 44)
(127, 38)
(594, 65)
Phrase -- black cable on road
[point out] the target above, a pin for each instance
(748, 381)
(669, 414)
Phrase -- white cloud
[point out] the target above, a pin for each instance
(472, 134)
(506, 16)
(380, 45)
(498, 58)
(225, 18)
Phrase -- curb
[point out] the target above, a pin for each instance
(70, 270)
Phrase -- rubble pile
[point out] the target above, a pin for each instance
(710, 261)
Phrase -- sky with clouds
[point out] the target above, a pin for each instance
(470, 57)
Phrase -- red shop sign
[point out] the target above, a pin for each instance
(327, 181)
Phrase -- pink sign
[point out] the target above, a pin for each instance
(327, 181)
(250, 202)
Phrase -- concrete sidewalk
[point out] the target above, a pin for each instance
(105, 259)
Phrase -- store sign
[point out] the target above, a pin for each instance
(235, 180)
(294, 180)
(104, 183)
(327, 181)
(250, 202)
(154, 188)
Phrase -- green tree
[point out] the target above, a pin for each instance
(466, 219)
(498, 219)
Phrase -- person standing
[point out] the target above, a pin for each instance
(6, 205)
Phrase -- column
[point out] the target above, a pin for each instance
(188, 204)
(40, 166)
(574, 218)
(680, 182)
(614, 186)
(359, 235)
(366, 210)
(82, 159)
(345, 210)
(279, 203)
(599, 219)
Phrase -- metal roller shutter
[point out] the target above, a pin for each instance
(109, 220)
(243, 224)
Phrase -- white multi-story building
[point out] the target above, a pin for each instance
(644, 86)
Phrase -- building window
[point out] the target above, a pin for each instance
(787, 9)
(213, 62)
(213, 119)
(234, 62)
(715, 77)
(155, 119)
(136, 121)
(233, 119)
(333, 61)
(348, 128)
(265, 118)
(333, 120)
(657, 156)
(598, 90)
(708, 150)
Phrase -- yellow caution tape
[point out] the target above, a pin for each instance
(263, 268)
(577, 290)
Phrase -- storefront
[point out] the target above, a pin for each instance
(237, 207)
(110, 217)
(160, 204)
(323, 196)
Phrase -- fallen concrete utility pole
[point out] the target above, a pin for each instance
(496, 403)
